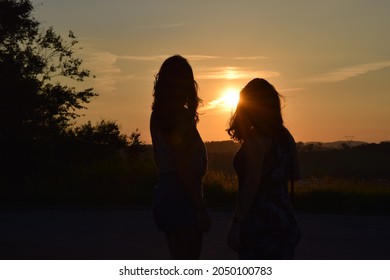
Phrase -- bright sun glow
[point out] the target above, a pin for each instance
(230, 98)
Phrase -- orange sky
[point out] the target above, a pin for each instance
(329, 59)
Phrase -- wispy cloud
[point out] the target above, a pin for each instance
(161, 26)
(191, 57)
(200, 57)
(291, 90)
(103, 65)
(216, 107)
(233, 73)
(250, 57)
(351, 71)
(143, 57)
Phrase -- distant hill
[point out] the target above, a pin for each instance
(222, 147)
(333, 145)
(229, 146)
(340, 159)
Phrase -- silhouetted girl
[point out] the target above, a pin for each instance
(264, 225)
(181, 160)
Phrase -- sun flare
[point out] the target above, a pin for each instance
(227, 101)
(230, 98)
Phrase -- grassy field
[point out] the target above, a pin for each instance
(352, 180)
(343, 195)
(343, 180)
(313, 195)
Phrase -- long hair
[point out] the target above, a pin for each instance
(259, 108)
(175, 88)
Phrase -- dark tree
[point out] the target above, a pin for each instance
(34, 105)
(104, 133)
(44, 158)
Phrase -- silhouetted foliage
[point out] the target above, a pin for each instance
(368, 161)
(34, 105)
(135, 142)
(45, 159)
(103, 133)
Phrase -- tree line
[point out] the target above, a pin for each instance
(42, 94)
(36, 103)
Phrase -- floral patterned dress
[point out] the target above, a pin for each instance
(270, 230)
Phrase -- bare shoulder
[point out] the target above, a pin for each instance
(290, 137)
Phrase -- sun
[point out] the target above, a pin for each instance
(227, 101)
(230, 98)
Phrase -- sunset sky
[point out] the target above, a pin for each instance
(329, 59)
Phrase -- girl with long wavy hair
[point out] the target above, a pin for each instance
(180, 156)
(264, 225)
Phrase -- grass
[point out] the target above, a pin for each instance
(115, 181)
(318, 195)
(342, 195)
(128, 179)
(220, 189)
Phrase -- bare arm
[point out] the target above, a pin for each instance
(188, 176)
(254, 153)
(183, 148)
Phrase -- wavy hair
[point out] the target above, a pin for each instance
(175, 88)
(259, 108)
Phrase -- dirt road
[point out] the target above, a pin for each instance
(86, 233)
